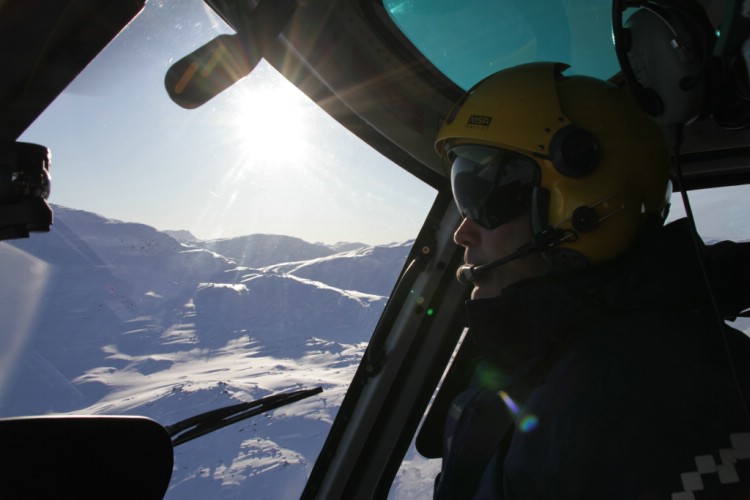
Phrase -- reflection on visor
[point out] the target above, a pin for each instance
(491, 186)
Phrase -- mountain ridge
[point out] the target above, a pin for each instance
(124, 319)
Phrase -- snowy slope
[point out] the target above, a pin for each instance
(368, 269)
(124, 319)
(259, 250)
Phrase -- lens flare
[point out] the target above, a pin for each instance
(527, 422)
(509, 402)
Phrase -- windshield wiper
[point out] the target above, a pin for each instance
(197, 426)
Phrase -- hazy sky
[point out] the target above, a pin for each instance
(259, 158)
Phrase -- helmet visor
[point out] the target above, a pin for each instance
(491, 186)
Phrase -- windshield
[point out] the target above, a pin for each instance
(202, 258)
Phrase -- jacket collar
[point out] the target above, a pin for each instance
(514, 329)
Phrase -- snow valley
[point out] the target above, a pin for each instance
(106, 317)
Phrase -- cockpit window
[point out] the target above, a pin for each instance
(470, 40)
(202, 258)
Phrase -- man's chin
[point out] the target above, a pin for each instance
(481, 291)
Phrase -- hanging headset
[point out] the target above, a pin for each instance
(676, 66)
(664, 50)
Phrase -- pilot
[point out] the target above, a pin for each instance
(604, 365)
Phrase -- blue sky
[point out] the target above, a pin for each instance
(259, 158)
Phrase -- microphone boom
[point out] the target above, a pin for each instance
(467, 274)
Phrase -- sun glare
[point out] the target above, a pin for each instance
(269, 129)
(270, 125)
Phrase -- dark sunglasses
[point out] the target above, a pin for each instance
(491, 186)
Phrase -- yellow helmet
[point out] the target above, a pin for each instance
(576, 151)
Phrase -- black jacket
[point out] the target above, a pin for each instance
(614, 382)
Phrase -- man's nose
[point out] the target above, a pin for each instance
(467, 235)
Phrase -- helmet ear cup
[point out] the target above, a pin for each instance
(574, 151)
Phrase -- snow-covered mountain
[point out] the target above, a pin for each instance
(260, 250)
(107, 317)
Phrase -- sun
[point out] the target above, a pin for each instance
(271, 123)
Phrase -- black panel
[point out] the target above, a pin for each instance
(46, 45)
